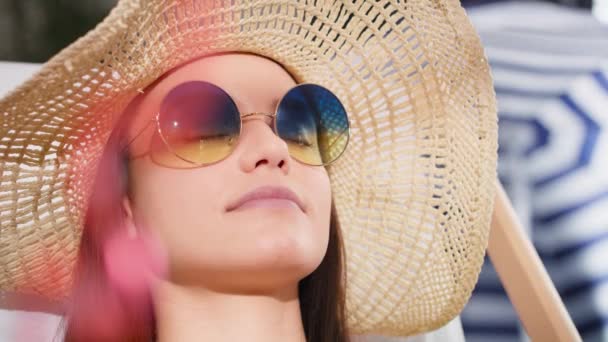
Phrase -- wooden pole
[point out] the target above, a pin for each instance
(524, 277)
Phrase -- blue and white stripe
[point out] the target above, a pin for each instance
(550, 68)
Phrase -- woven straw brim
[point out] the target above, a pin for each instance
(413, 192)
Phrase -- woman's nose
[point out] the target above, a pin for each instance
(262, 147)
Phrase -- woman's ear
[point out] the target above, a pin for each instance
(128, 215)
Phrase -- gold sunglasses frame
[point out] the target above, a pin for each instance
(243, 117)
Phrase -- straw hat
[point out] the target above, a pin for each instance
(413, 192)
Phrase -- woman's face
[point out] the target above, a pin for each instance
(253, 248)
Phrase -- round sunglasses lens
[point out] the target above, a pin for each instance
(199, 124)
(313, 122)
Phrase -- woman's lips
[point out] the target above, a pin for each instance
(268, 203)
(268, 197)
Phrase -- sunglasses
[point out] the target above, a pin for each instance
(199, 124)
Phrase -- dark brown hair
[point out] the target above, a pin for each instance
(321, 294)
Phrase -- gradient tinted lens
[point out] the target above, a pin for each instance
(199, 125)
(313, 122)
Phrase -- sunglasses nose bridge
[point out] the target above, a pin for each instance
(268, 118)
(250, 116)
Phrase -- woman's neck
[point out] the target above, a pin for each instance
(197, 314)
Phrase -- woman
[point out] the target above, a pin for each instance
(265, 270)
(395, 145)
